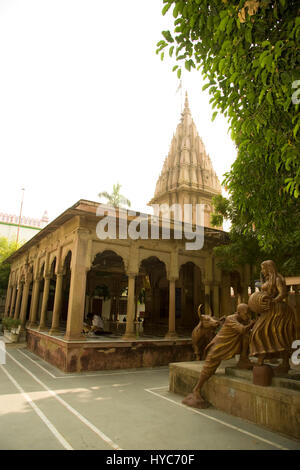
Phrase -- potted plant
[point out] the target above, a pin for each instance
(15, 329)
(6, 325)
(11, 328)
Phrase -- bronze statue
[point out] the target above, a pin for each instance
(275, 329)
(203, 333)
(232, 339)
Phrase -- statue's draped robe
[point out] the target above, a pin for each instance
(274, 331)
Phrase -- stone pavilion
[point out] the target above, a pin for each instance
(66, 272)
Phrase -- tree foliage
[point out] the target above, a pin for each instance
(247, 241)
(115, 199)
(248, 51)
(6, 249)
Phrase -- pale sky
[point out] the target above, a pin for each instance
(85, 103)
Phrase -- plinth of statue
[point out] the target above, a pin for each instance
(262, 375)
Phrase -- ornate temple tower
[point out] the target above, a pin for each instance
(187, 176)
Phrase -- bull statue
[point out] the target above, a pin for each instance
(204, 332)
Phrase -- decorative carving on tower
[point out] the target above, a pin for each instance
(187, 176)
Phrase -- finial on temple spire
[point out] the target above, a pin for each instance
(186, 105)
(186, 101)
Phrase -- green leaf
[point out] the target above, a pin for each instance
(248, 35)
(176, 10)
(167, 35)
(269, 97)
(223, 23)
(265, 43)
(166, 8)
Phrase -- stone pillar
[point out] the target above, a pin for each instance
(217, 278)
(172, 310)
(196, 292)
(130, 333)
(57, 304)
(79, 270)
(117, 307)
(42, 326)
(18, 301)
(8, 300)
(226, 305)
(24, 304)
(216, 300)
(13, 300)
(34, 302)
(207, 306)
(245, 295)
(209, 263)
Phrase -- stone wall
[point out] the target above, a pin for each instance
(110, 355)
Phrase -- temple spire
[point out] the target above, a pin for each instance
(186, 103)
(187, 176)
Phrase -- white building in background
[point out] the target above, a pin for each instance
(28, 226)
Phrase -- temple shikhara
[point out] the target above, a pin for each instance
(187, 175)
(66, 272)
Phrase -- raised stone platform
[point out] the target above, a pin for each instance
(109, 352)
(231, 390)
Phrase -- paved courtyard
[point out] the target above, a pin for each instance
(43, 408)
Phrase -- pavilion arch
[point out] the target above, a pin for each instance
(52, 266)
(189, 295)
(50, 302)
(57, 299)
(152, 277)
(107, 255)
(30, 273)
(66, 260)
(53, 257)
(66, 271)
(199, 262)
(106, 281)
(123, 252)
(41, 270)
(41, 279)
(22, 274)
(67, 251)
(30, 278)
(162, 257)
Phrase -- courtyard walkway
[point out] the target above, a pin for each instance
(43, 408)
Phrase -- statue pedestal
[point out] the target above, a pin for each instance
(232, 390)
(262, 375)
